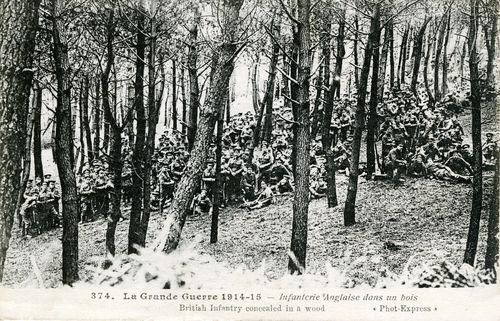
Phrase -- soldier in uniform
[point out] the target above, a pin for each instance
(208, 178)
(201, 203)
(55, 195)
(395, 163)
(248, 181)
(86, 191)
(489, 149)
(28, 207)
(101, 204)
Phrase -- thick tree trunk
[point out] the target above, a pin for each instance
(417, 49)
(372, 116)
(222, 68)
(138, 154)
(350, 202)
(298, 244)
(194, 89)
(477, 176)
(64, 150)
(492, 242)
(16, 58)
(37, 133)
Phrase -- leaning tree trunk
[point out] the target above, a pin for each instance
(417, 49)
(16, 58)
(352, 190)
(477, 176)
(222, 68)
(64, 150)
(37, 133)
(372, 116)
(298, 244)
(138, 154)
(194, 89)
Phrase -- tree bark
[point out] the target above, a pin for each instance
(214, 227)
(174, 95)
(492, 240)
(298, 244)
(430, 43)
(96, 125)
(271, 84)
(64, 149)
(390, 27)
(490, 35)
(37, 132)
(85, 118)
(383, 63)
(372, 116)
(437, 56)
(355, 49)
(402, 57)
(183, 100)
(417, 49)
(138, 154)
(194, 89)
(444, 85)
(477, 176)
(222, 68)
(339, 58)
(350, 202)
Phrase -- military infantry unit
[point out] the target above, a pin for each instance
(417, 139)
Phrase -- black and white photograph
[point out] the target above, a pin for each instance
(238, 145)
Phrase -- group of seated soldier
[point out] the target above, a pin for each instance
(40, 209)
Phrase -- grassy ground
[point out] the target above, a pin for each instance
(422, 219)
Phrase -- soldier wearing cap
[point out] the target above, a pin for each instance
(208, 177)
(55, 195)
(86, 191)
(101, 203)
(489, 148)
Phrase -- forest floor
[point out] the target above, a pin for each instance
(422, 220)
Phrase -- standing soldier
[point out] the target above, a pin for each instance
(101, 204)
(55, 195)
(86, 190)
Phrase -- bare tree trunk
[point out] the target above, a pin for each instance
(37, 132)
(492, 242)
(490, 36)
(222, 68)
(356, 60)
(339, 58)
(383, 63)
(183, 100)
(430, 43)
(477, 176)
(174, 95)
(390, 27)
(402, 56)
(256, 103)
(372, 116)
(64, 150)
(16, 58)
(437, 56)
(271, 84)
(214, 227)
(350, 202)
(298, 244)
(85, 117)
(194, 89)
(326, 138)
(96, 125)
(316, 113)
(134, 233)
(444, 86)
(418, 55)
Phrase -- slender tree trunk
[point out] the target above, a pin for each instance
(437, 56)
(383, 64)
(390, 27)
(37, 133)
(153, 115)
(350, 202)
(194, 89)
(174, 95)
(85, 118)
(294, 90)
(418, 55)
(356, 59)
(326, 138)
(134, 233)
(339, 58)
(444, 85)
(372, 116)
(271, 84)
(214, 227)
(430, 43)
(463, 54)
(96, 125)
(316, 113)
(477, 176)
(298, 244)
(222, 68)
(403, 55)
(490, 35)
(492, 242)
(183, 100)
(256, 103)
(64, 150)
